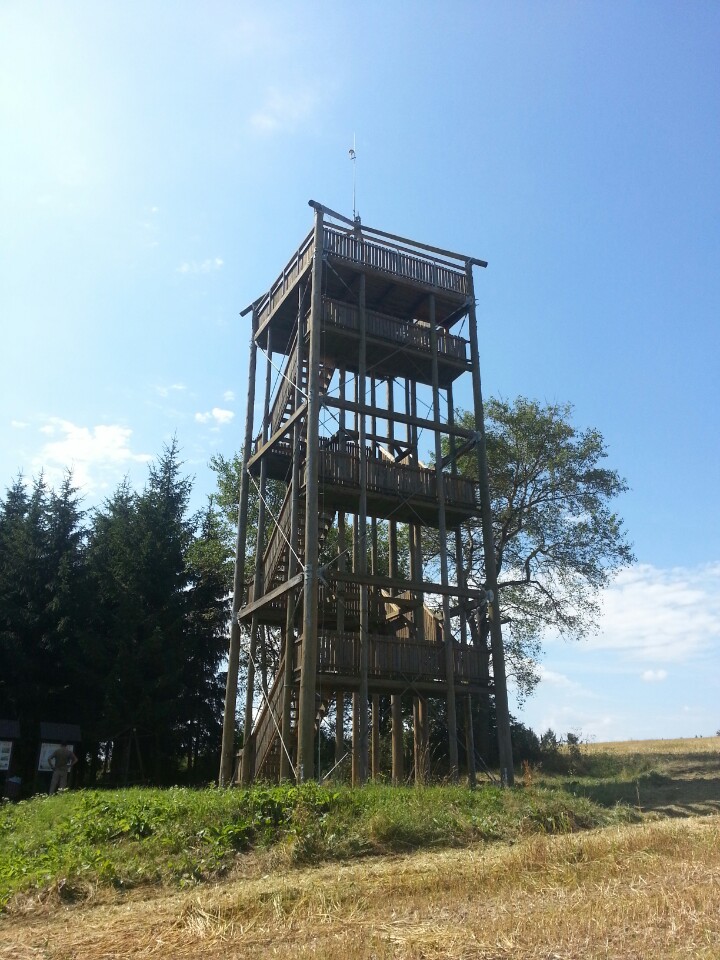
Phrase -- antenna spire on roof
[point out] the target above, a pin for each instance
(353, 156)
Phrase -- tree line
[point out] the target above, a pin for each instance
(117, 618)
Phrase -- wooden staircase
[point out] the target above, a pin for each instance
(283, 405)
(277, 552)
(267, 745)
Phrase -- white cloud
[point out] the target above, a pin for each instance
(560, 680)
(654, 676)
(229, 396)
(173, 388)
(283, 110)
(18, 424)
(97, 456)
(217, 415)
(661, 615)
(203, 266)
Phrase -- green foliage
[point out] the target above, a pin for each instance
(178, 836)
(557, 540)
(43, 598)
(115, 621)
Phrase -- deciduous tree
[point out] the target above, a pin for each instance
(558, 540)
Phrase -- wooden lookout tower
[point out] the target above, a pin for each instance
(359, 340)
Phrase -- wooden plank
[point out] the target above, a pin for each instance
(277, 436)
(269, 597)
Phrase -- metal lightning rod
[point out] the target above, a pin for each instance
(353, 155)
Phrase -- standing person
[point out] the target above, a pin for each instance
(62, 761)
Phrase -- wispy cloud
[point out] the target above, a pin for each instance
(18, 424)
(284, 110)
(661, 615)
(654, 676)
(203, 266)
(163, 391)
(96, 455)
(216, 416)
(555, 679)
(229, 396)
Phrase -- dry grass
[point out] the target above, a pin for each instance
(622, 892)
(657, 747)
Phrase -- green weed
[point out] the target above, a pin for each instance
(125, 838)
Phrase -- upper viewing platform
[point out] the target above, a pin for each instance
(400, 275)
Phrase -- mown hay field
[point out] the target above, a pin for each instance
(624, 890)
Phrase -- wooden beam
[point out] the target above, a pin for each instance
(269, 597)
(390, 583)
(397, 239)
(465, 448)
(301, 410)
(397, 417)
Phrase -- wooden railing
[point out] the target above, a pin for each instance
(470, 663)
(286, 392)
(339, 465)
(265, 730)
(278, 545)
(395, 259)
(392, 329)
(278, 541)
(284, 283)
(393, 658)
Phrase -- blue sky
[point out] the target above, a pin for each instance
(155, 169)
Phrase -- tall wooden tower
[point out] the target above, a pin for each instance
(360, 366)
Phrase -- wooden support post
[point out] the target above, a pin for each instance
(308, 670)
(248, 765)
(375, 736)
(373, 521)
(339, 726)
(398, 757)
(462, 583)
(470, 743)
(227, 756)
(398, 765)
(362, 567)
(448, 639)
(341, 589)
(392, 526)
(425, 729)
(355, 776)
(502, 711)
(294, 538)
(421, 738)
(260, 549)
(415, 530)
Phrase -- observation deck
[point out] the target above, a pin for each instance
(397, 491)
(399, 276)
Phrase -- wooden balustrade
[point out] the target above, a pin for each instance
(339, 465)
(394, 657)
(264, 729)
(395, 259)
(286, 391)
(278, 542)
(300, 260)
(380, 325)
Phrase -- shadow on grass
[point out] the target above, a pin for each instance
(662, 793)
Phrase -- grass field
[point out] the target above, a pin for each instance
(554, 869)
